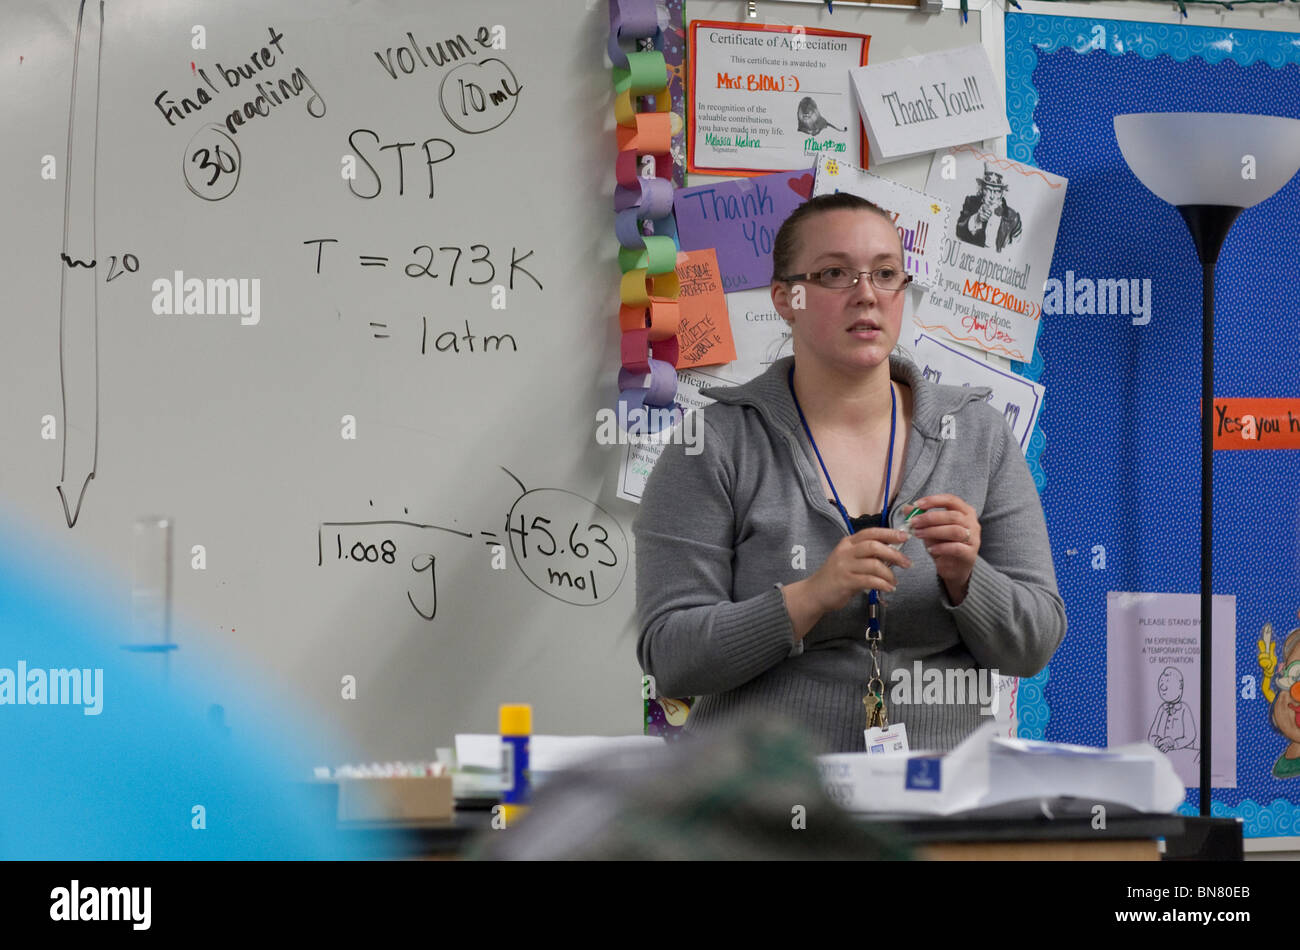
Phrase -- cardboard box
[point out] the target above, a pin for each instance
(417, 798)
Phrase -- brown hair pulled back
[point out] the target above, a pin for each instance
(786, 245)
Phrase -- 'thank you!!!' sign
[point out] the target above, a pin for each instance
(923, 103)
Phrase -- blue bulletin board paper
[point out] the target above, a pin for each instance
(1122, 504)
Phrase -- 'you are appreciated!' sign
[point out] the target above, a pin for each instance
(923, 103)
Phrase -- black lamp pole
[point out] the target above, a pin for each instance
(1209, 225)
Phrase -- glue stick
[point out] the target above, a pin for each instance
(516, 724)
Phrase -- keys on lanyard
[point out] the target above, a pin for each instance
(874, 701)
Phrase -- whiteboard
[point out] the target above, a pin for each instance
(323, 557)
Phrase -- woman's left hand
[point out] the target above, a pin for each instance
(951, 537)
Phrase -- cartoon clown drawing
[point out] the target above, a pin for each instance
(1285, 698)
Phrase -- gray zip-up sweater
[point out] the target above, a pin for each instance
(716, 536)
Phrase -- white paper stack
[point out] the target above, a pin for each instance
(988, 770)
(479, 757)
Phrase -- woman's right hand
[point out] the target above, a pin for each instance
(863, 561)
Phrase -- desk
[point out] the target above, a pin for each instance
(437, 840)
(1126, 838)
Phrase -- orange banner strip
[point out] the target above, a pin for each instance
(1256, 424)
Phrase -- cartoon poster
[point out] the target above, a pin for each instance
(764, 98)
(996, 254)
(1279, 662)
(1153, 685)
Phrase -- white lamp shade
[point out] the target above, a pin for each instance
(1210, 158)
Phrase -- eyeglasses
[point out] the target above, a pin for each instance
(888, 279)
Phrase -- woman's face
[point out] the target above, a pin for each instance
(854, 328)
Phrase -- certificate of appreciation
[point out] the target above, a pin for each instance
(762, 98)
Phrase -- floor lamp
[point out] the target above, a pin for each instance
(1211, 166)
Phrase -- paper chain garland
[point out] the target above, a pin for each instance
(648, 316)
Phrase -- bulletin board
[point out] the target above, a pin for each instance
(1121, 493)
(896, 33)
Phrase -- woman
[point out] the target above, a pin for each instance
(759, 558)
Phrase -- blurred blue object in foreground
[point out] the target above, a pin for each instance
(103, 761)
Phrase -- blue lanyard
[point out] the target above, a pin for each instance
(872, 596)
